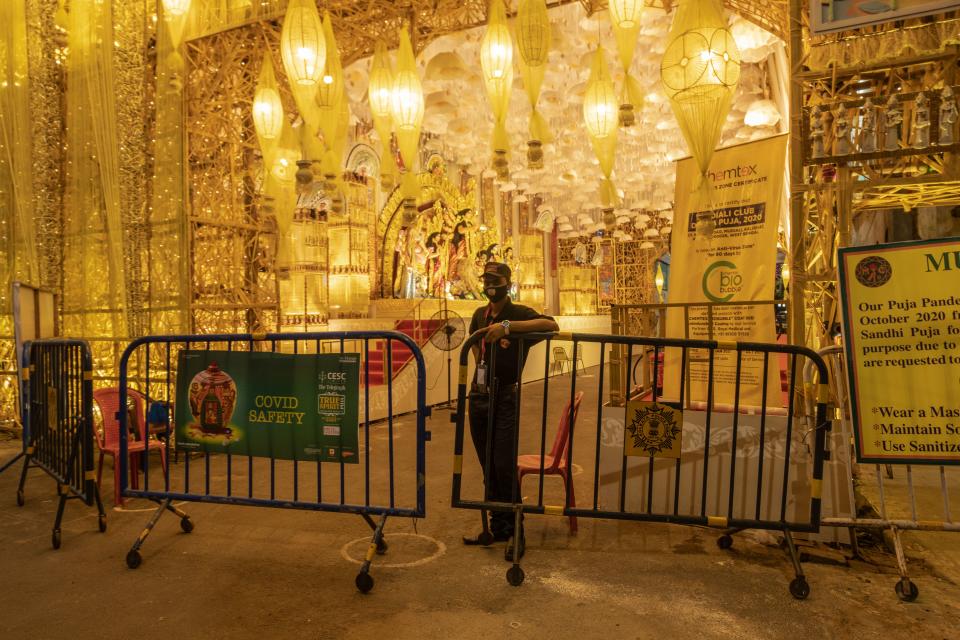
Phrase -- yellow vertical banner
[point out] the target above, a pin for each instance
(716, 274)
(901, 329)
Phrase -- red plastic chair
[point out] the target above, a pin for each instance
(108, 440)
(555, 464)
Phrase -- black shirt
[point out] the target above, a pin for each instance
(506, 358)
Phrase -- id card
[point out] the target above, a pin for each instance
(482, 375)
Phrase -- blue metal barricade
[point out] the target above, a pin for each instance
(58, 408)
(228, 461)
(644, 457)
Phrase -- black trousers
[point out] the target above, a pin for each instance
(500, 477)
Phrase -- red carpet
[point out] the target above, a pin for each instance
(400, 354)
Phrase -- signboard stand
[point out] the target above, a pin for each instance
(34, 317)
(901, 316)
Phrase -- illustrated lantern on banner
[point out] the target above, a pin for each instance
(533, 43)
(600, 108)
(408, 117)
(267, 108)
(380, 93)
(496, 59)
(699, 72)
(302, 44)
(625, 18)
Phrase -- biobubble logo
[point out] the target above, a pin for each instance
(721, 281)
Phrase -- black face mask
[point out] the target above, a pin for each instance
(496, 294)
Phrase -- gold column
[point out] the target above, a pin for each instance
(797, 299)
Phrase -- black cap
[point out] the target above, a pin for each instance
(497, 269)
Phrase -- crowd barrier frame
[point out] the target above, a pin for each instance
(58, 407)
(729, 524)
(270, 342)
(905, 588)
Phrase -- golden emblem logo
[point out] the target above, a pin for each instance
(652, 430)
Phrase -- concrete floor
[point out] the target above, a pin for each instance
(272, 573)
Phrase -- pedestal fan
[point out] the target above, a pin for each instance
(447, 337)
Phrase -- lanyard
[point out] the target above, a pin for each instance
(483, 343)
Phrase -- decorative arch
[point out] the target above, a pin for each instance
(440, 198)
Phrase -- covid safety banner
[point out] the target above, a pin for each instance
(901, 333)
(273, 405)
(736, 263)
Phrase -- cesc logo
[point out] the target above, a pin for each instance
(721, 281)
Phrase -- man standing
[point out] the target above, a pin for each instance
(495, 390)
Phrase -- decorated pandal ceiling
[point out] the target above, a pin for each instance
(458, 121)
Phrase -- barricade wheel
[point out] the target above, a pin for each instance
(134, 559)
(725, 541)
(20, 500)
(910, 593)
(382, 546)
(102, 523)
(799, 588)
(55, 538)
(364, 582)
(485, 538)
(186, 524)
(515, 576)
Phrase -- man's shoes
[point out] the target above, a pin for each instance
(479, 539)
(508, 551)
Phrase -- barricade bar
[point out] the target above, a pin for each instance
(695, 478)
(667, 518)
(875, 486)
(58, 416)
(238, 437)
(332, 507)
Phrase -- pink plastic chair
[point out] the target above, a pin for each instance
(555, 464)
(108, 440)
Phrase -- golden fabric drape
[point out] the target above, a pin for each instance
(169, 230)
(18, 245)
(94, 280)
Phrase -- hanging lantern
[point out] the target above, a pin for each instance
(408, 117)
(600, 117)
(496, 60)
(176, 8)
(533, 43)
(496, 50)
(407, 105)
(330, 101)
(380, 93)
(658, 281)
(380, 90)
(625, 14)
(330, 86)
(267, 108)
(600, 106)
(625, 18)
(302, 44)
(699, 72)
